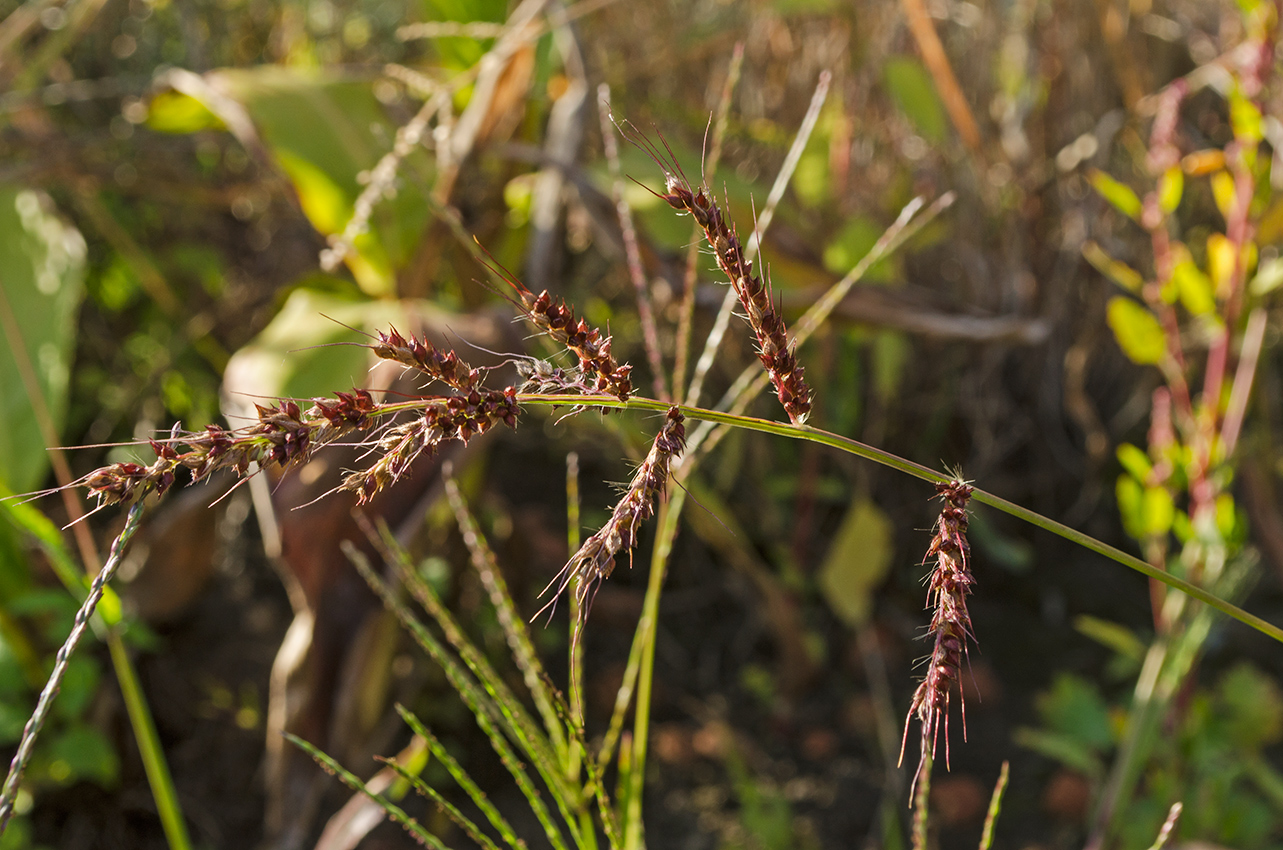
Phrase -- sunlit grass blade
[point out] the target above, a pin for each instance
(395, 812)
(461, 776)
(513, 716)
(514, 627)
(995, 807)
(490, 718)
(428, 792)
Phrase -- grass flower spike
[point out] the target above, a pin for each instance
(774, 349)
(595, 560)
(949, 585)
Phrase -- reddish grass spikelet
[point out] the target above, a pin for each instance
(595, 560)
(455, 418)
(444, 366)
(774, 349)
(557, 319)
(948, 587)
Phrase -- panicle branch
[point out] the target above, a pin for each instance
(949, 585)
(595, 560)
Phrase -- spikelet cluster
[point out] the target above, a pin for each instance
(454, 418)
(283, 435)
(557, 319)
(595, 560)
(948, 587)
(420, 354)
(774, 349)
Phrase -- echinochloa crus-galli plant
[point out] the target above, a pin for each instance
(948, 587)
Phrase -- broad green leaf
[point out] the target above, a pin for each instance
(175, 112)
(42, 265)
(317, 127)
(915, 95)
(1170, 187)
(300, 354)
(1135, 461)
(1254, 706)
(1117, 271)
(1139, 334)
(1062, 748)
(1119, 195)
(857, 562)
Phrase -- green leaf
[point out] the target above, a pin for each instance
(42, 265)
(1253, 706)
(1159, 511)
(1062, 748)
(1194, 288)
(914, 94)
(174, 112)
(83, 752)
(1245, 117)
(1074, 707)
(857, 562)
(320, 126)
(1130, 495)
(1116, 270)
(1138, 332)
(1268, 277)
(1115, 636)
(1170, 187)
(1119, 195)
(1135, 461)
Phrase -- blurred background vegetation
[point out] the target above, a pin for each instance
(172, 175)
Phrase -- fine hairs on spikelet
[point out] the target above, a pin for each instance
(774, 349)
(595, 560)
(948, 587)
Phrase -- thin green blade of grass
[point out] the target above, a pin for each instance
(461, 776)
(995, 807)
(489, 717)
(513, 716)
(514, 627)
(428, 792)
(855, 447)
(395, 812)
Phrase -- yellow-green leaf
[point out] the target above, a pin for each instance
(857, 562)
(1116, 270)
(1170, 187)
(1130, 495)
(1135, 461)
(1245, 117)
(1220, 263)
(1223, 192)
(175, 112)
(1119, 195)
(1139, 334)
(1159, 510)
(1268, 277)
(1194, 288)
